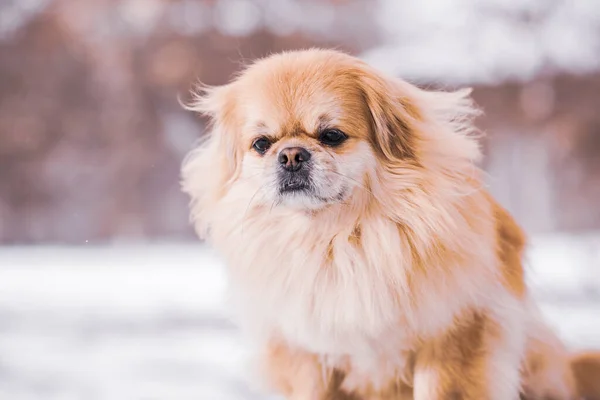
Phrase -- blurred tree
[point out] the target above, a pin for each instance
(91, 132)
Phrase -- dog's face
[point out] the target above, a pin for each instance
(302, 129)
(304, 139)
(307, 130)
(308, 153)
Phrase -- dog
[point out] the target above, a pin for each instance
(365, 257)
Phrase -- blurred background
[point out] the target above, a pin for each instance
(104, 291)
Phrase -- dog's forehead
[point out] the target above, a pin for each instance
(288, 99)
(285, 108)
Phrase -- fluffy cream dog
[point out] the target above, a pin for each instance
(365, 257)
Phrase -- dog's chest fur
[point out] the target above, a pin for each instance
(322, 291)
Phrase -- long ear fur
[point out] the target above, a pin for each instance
(405, 118)
(208, 170)
(391, 117)
(428, 180)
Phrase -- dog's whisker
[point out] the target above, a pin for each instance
(359, 184)
(275, 203)
(248, 208)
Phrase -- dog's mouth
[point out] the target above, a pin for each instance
(299, 186)
(306, 190)
(294, 186)
(295, 182)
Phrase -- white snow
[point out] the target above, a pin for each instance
(150, 322)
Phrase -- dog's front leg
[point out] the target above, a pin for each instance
(477, 359)
(295, 373)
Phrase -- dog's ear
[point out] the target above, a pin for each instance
(392, 116)
(209, 170)
(218, 104)
(405, 118)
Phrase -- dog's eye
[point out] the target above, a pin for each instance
(332, 137)
(261, 145)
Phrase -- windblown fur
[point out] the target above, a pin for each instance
(398, 276)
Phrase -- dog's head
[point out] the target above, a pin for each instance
(313, 129)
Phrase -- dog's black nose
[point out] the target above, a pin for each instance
(292, 158)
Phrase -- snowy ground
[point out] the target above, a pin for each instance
(148, 322)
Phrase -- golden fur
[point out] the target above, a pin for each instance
(400, 277)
